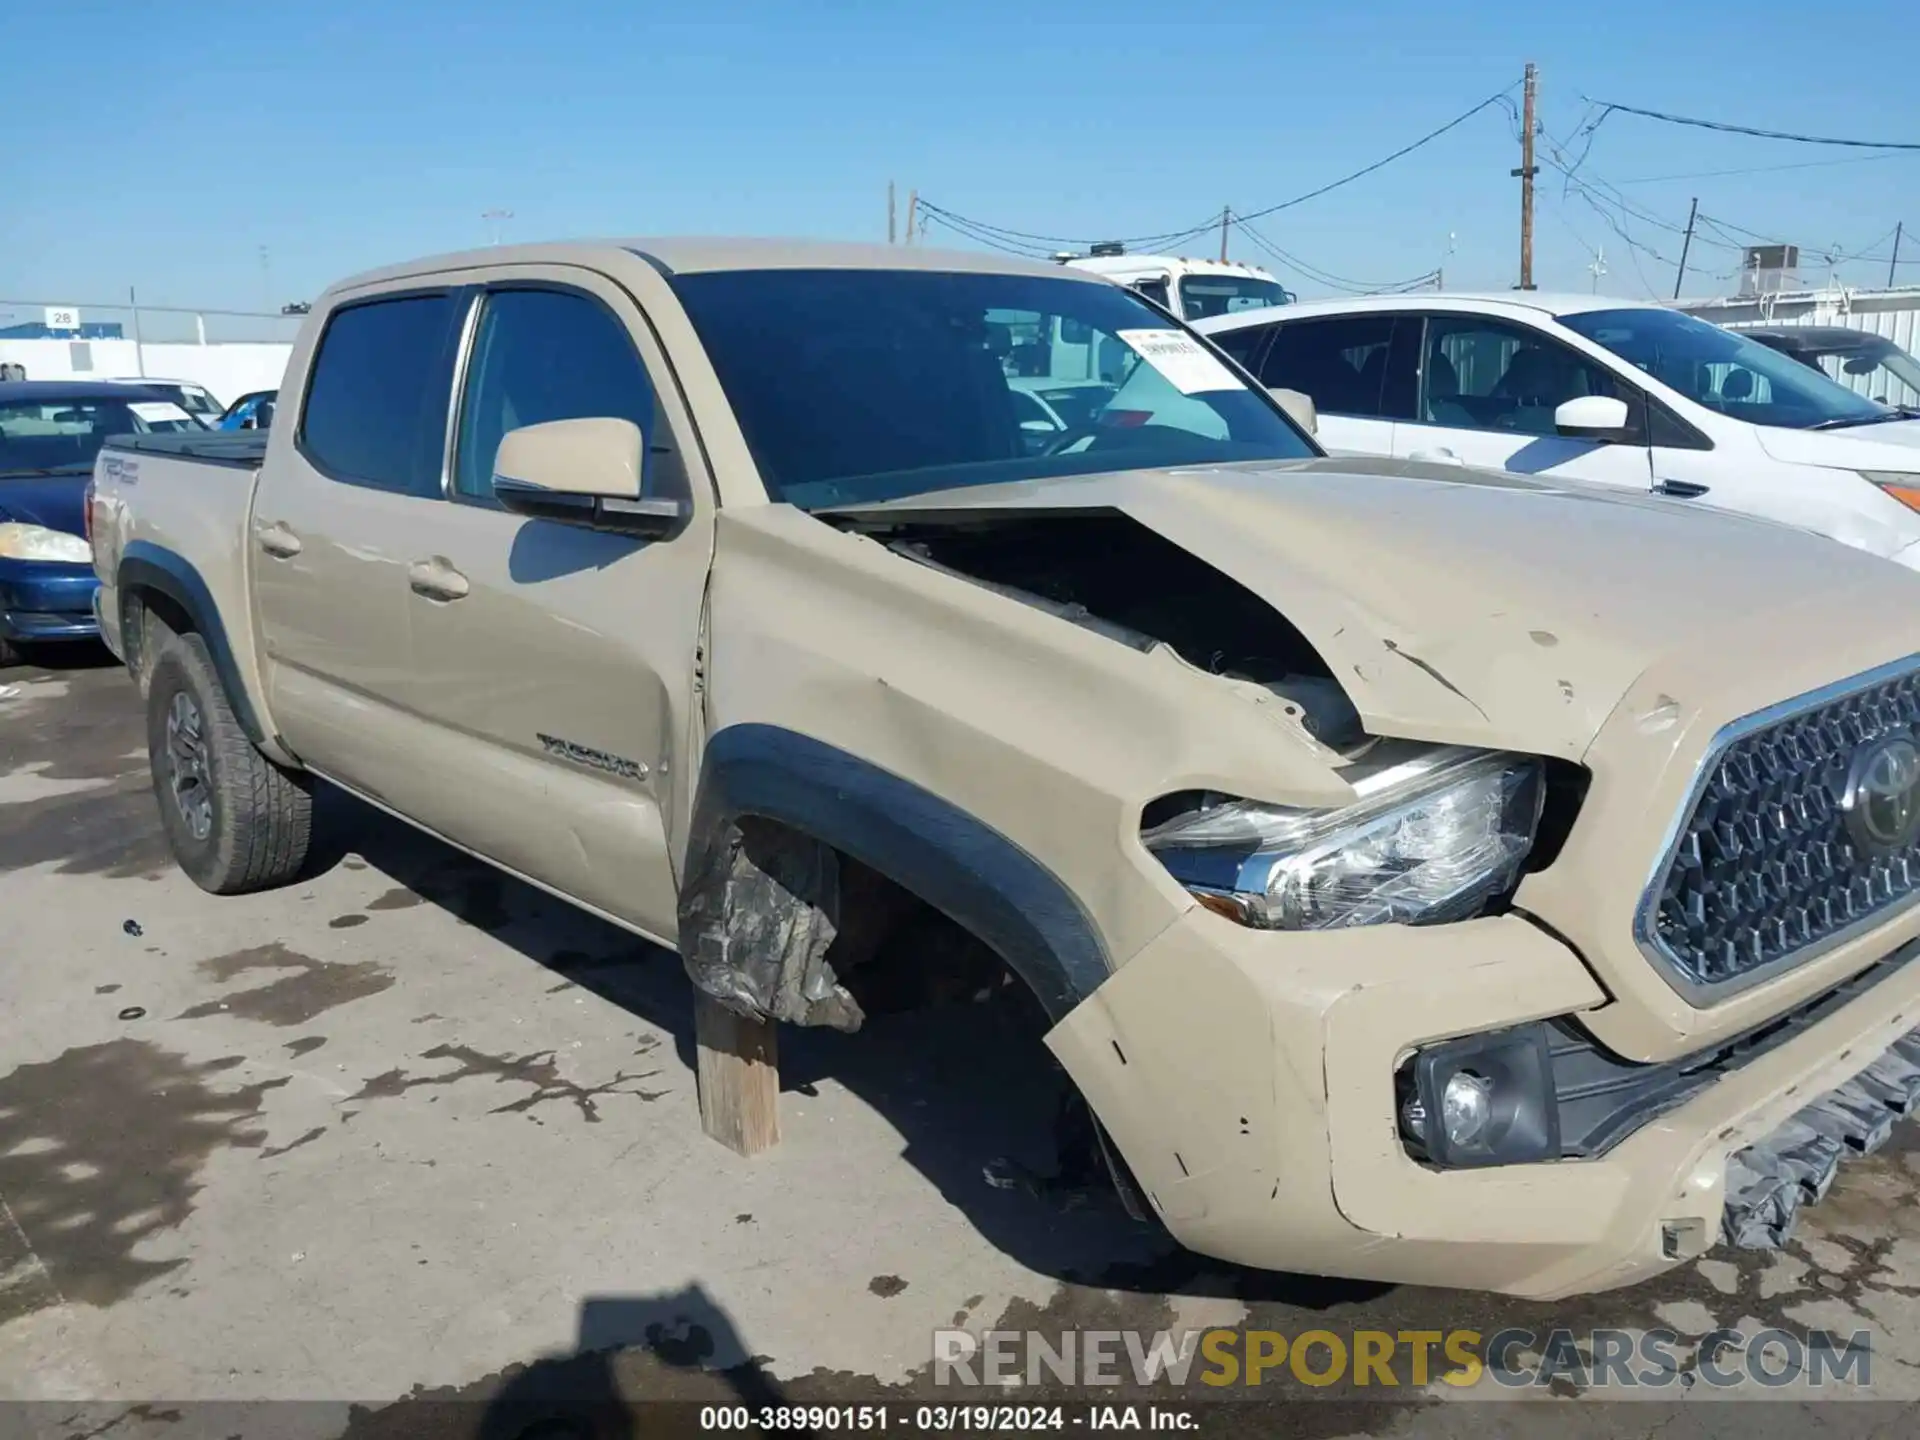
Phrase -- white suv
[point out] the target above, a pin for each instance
(1592, 389)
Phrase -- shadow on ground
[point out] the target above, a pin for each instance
(675, 1364)
(976, 1099)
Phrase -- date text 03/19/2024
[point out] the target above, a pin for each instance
(943, 1419)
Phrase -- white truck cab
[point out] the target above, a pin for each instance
(1191, 289)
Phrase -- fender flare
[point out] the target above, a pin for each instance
(953, 861)
(146, 566)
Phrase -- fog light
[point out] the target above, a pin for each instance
(1467, 1106)
(1493, 1097)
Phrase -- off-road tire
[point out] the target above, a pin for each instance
(235, 820)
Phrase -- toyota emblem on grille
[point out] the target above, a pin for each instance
(1882, 801)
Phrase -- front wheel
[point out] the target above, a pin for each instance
(235, 821)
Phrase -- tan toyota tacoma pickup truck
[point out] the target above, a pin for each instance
(1426, 875)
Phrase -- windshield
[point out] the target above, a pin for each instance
(59, 436)
(1724, 370)
(1874, 367)
(857, 386)
(194, 400)
(1204, 296)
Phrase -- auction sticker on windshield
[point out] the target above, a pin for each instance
(1186, 366)
(155, 411)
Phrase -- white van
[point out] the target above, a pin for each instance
(1601, 390)
(1191, 289)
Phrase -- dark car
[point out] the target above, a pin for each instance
(1847, 355)
(50, 431)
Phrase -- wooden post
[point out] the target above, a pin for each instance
(1526, 172)
(739, 1077)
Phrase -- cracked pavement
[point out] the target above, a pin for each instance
(391, 1133)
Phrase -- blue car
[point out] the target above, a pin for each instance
(50, 431)
(250, 412)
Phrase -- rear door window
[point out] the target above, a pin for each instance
(376, 410)
(1348, 364)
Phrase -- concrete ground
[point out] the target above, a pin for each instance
(411, 1132)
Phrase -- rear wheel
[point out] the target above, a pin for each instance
(10, 653)
(234, 820)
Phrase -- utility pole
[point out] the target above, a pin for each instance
(139, 344)
(890, 234)
(1685, 245)
(266, 281)
(1598, 268)
(913, 212)
(1526, 172)
(1226, 214)
(493, 219)
(1894, 263)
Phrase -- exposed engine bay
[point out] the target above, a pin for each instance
(1106, 572)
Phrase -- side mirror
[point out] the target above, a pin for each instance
(1599, 418)
(1299, 407)
(582, 472)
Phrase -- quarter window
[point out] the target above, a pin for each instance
(1243, 344)
(541, 355)
(376, 411)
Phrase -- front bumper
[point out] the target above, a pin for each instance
(40, 600)
(1247, 1077)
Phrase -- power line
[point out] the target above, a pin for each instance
(966, 230)
(1609, 108)
(1325, 277)
(1765, 169)
(1031, 238)
(1425, 139)
(1013, 237)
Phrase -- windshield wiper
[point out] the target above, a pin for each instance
(1847, 422)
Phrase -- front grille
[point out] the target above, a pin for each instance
(1767, 867)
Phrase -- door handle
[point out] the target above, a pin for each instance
(1680, 489)
(437, 580)
(277, 540)
(1441, 456)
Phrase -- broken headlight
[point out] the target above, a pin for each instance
(1429, 838)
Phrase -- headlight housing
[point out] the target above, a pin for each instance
(37, 542)
(1902, 485)
(1430, 838)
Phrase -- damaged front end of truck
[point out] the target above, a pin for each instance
(1315, 804)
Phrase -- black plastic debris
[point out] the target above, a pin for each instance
(1770, 1180)
(132, 927)
(133, 1012)
(758, 914)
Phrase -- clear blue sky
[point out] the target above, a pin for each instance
(163, 145)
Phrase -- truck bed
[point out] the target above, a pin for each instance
(221, 447)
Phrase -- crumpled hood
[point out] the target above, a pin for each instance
(55, 501)
(1886, 446)
(1466, 606)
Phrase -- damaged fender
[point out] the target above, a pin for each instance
(761, 903)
